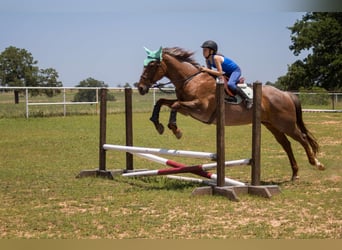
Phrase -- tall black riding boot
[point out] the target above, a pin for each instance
(248, 101)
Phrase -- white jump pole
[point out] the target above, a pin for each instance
(206, 166)
(182, 168)
(228, 181)
(191, 179)
(173, 152)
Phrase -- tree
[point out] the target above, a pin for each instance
(48, 78)
(89, 95)
(320, 35)
(18, 69)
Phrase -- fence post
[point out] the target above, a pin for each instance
(97, 101)
(64, 100)
(129, 127)
(220, 135)
(101, 172)
(103, 122)
(256, 133)
(333, 101)
(27, 105)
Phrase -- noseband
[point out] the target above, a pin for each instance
(155, 68)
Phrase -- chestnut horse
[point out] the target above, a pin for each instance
(281, 112)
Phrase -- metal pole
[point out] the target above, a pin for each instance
(27, 108)
(220, 135)
(333, 101)
(97, 101)
(64, 105)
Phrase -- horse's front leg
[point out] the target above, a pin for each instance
(173, 124)
(155, 113)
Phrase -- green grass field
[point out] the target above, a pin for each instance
(42, 199)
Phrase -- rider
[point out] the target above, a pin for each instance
(224, 66)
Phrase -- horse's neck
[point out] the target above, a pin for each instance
(178, 72)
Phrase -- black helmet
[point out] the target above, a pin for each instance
(210, 44)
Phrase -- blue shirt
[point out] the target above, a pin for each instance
(228, 65)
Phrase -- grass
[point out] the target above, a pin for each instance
(42, 199)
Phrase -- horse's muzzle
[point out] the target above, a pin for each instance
(143, 90)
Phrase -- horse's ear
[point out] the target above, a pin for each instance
(147, 51)
(159, 53)
(153, 55)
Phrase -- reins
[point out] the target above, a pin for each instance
(186, 80)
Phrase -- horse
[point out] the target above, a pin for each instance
(281, 111)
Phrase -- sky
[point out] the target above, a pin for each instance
(105, 39)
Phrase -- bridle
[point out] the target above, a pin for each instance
(154, 67)
(159, 64)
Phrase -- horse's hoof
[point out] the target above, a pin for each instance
(178, 134)
(294, 178)
(321, 167)
(160, 128)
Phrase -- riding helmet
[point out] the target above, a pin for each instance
(210, 44)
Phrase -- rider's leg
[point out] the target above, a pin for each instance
(233, 80)
(232, 84)
(249, 101)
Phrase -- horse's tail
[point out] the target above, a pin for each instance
(300, 123)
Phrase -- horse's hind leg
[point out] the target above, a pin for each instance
(285, 143)
(303, 140)
(173, 124)
(300, 133)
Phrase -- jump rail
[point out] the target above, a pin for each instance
(174, 152)
(221, 180)
(182, 168)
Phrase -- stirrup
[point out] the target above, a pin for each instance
(249, 104)
(230, 98)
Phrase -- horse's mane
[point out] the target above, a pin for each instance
(181, 55)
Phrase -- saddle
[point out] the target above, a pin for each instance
(236, 98)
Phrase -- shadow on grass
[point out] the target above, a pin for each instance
(159, 183)
(278, 183)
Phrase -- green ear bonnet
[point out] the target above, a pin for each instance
(153, 56)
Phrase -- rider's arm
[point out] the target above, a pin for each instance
(219, 72)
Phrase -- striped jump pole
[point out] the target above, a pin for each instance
(182, 168)
(174, 152)
(206, 166)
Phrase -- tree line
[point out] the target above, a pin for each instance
(317, 34)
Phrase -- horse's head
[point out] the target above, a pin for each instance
(153, 70)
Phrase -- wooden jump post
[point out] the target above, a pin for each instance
(221, 187)
(255, 188)
(102, 171)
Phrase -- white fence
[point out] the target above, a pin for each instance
(323, 102)
(61, 99)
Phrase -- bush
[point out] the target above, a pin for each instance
(315, 96)
(89, 95)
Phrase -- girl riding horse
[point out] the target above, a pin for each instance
(225, 67)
